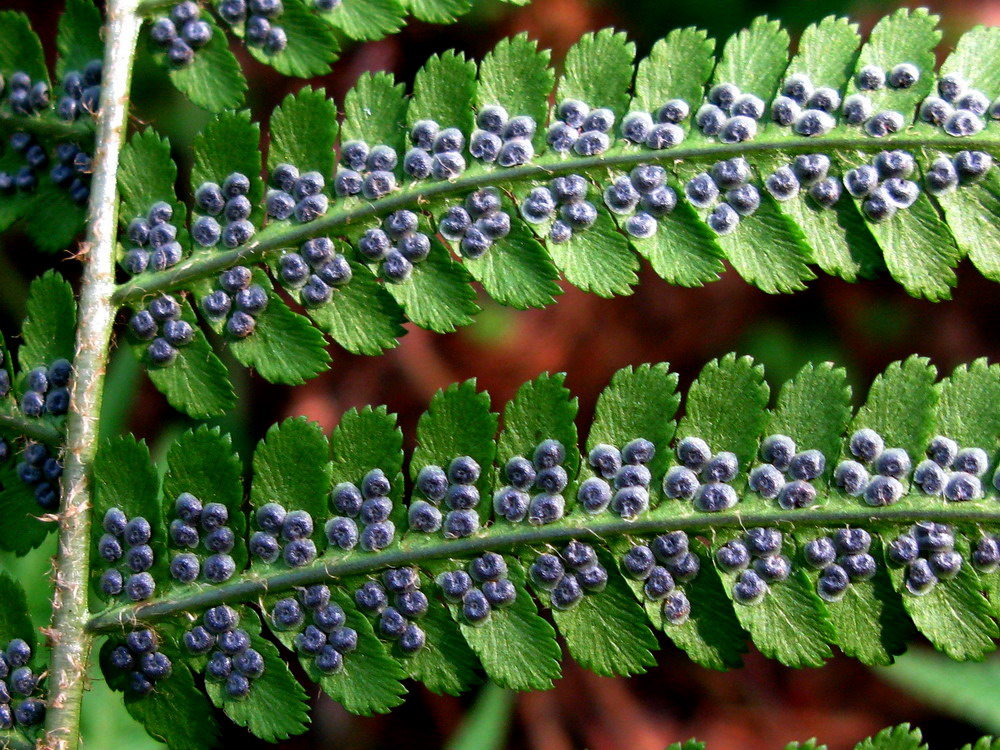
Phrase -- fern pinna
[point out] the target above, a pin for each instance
(797, 526)
(369, 578)
(428, 195)
(390, 214)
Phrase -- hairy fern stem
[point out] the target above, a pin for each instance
(250, 587)
(70, 640)
(276, 237)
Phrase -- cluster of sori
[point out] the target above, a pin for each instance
(889, 465)
(726, 187)
(141, 657)
(294, 194)
(622, 479)
(858, 108)
(502, 139)
(702, 476)
(436, 152)
(544, 474)
(368, 172)
(72, 171)
(276, 525)
(841, 560)
(661, 129)
(135, 561)
(230, 657)
(41, 471)
(154, 241)
(477, 225)
(181, 33)
(661, 565)
(964, 168)
(397, 245)
(482, 587)
(25, 97)
(16, 678)
(370, 505)
(808, 172)
(327, 638)
(958, 109)
(160, 324)
(730, 115)
(237, 300)
(953, 472)
(578, 128)
(986, 556)
(255, 19)
(408, 603)
(316, 270)
(568, 196)
(927, 552)
(457, 488)
(46, 389)
(24, 179)
(645, 189)
(569, 574)
(82, 91)
(805, 108)
(787, 474)
(883, 186)
(218, 540)
(758, 558)
(231, 202)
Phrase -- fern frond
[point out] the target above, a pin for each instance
(370, 532)
(778, 244)
(300, 38)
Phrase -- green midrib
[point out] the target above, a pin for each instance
(415, 549)
(274, 237)
(34, 429)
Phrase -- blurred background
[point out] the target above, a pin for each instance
(863, 327)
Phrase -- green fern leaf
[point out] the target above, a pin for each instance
(47, 335)
(14, 620)
(276, 707)
(777, 246)
(437, 11)
(290, 463)
(895, 738)
(126, 480)
(516, 629)
(367, 19)
(79, 37)
(196, 383)
(311, 48)
(201, 462)
(604, 630)
(158, 712)
(214, 80)
(21, 48)
(49, 330)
